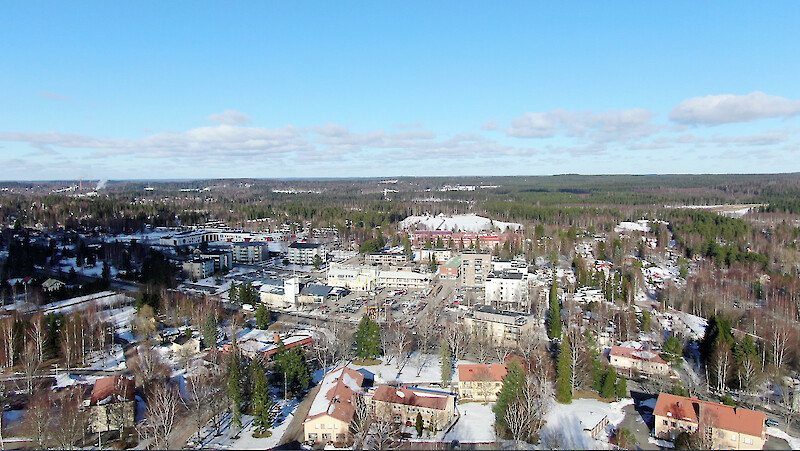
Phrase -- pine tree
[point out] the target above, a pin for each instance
(235, 389)
(368, 339)
(233, 294)
(513, 383)
(564, 377)
(262, 404)
(622, 387)
(447, 362)
(210, 332)
(672, 350)
(609, 383)
(419, 424)
(262, 317)
(554, 313)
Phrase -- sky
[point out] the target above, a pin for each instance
(268, 89)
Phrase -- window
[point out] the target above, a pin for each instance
(747, 441)
(316, 426)
(666, 423)
(674, 424)
(312, 436)
(326, 436)
(335, 426)
(330, 426)
(734, 437)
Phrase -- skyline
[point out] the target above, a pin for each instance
(269, 90)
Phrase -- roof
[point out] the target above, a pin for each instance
(729, 418)
(478, 371)
(315, 290)
(299, 245)
(336, 396)
(410, 397)
(632, 353)
(109, 390)
(51, 282)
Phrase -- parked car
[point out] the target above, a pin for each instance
(771, 422)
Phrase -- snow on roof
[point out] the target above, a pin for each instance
(336, 393)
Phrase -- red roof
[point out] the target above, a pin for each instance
(480, 372)
(734, 419)
(409, 397)
(109, 390)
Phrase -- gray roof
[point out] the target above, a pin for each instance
(315, 290)
(299, 245)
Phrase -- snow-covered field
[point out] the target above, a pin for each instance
(565, 422)
(414, 369)
(464, 223)
(246, 439)
(476, 424)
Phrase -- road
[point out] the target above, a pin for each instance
(295, 430)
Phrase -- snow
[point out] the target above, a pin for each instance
(794, 442)
(638, 226)
(414, 369)
(566, 422)
(246, 439)
(661, 443)
(475, 425)
(464, 223)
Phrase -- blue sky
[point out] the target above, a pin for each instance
(126, 90)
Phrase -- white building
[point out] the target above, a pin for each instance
(365, 278)
(249, 252)
(198, 269)
(507, 290)
(304, 253)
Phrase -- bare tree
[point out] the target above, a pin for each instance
(516, 419)
(202, 390)
(401, 341)
(8, 337)
(458, 340)
(38, 418)
(30, 365)
(721, 362)
(481, 344)
(484, 384)
(162, 408)
(148, 365)
(71, 421)
(38, 334)
(781, 333)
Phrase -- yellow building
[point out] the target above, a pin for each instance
(328, 419)
(402, 405)
(480, 382)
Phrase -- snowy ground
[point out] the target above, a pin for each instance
(415, 369)
(565, 422)
(464, 223)
(794, 442)
(476, 424)
(246, 439)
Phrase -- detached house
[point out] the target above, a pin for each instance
(402, 405)
(631, 359)
(720, 426)
(113, 404)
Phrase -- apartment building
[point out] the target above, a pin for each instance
(719, 426)
(475, 267)
(197, 269)
(333, 408)
(501, 326)
(386, 259)
(305, 253)
(480, 382)
(507, 290)
(249, 253)
(402, 405)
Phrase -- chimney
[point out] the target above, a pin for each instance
(276, 338)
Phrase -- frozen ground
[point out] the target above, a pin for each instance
(414, 369)
(565, 423)
(475, 425)
(245, 439)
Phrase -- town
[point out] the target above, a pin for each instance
(410, 313)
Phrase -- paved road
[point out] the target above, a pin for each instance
(634, 422)
(295, 430)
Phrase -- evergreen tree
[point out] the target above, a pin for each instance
(233, 294)
(263, 317)
(419, 424)
(262, 404)
(609, 384)
(317, 261)
(447, 362)
(291, 368)
(554, 313)
(368, 339)
(106, 271)
(564, 374)
(235, 388)
(513, 384)
(210, 331)
(622, 387)
(672, 350)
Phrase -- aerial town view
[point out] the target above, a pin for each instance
(399, 225)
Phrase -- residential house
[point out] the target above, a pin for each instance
(480, 381)
(334, 407)
(184, 345)
(113, 404)
(631, 359)
(402, 405)
(719, 426)
(51, 285)
(386, 259)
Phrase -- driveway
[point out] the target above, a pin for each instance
(295, 430)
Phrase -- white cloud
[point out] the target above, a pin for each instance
(229, 117)
(605, 126)
(728, 108)
(490, 125)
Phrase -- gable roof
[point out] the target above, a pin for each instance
(409, 397)
(704, 413)
(479, 372)
(110, 390)
(635, 354)
(336, 396)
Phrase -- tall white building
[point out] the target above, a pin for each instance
(304, 253)
(507, 290)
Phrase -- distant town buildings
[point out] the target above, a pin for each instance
(305, 253)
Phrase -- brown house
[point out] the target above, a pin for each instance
(113, 404)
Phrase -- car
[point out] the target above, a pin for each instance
(771, 422)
